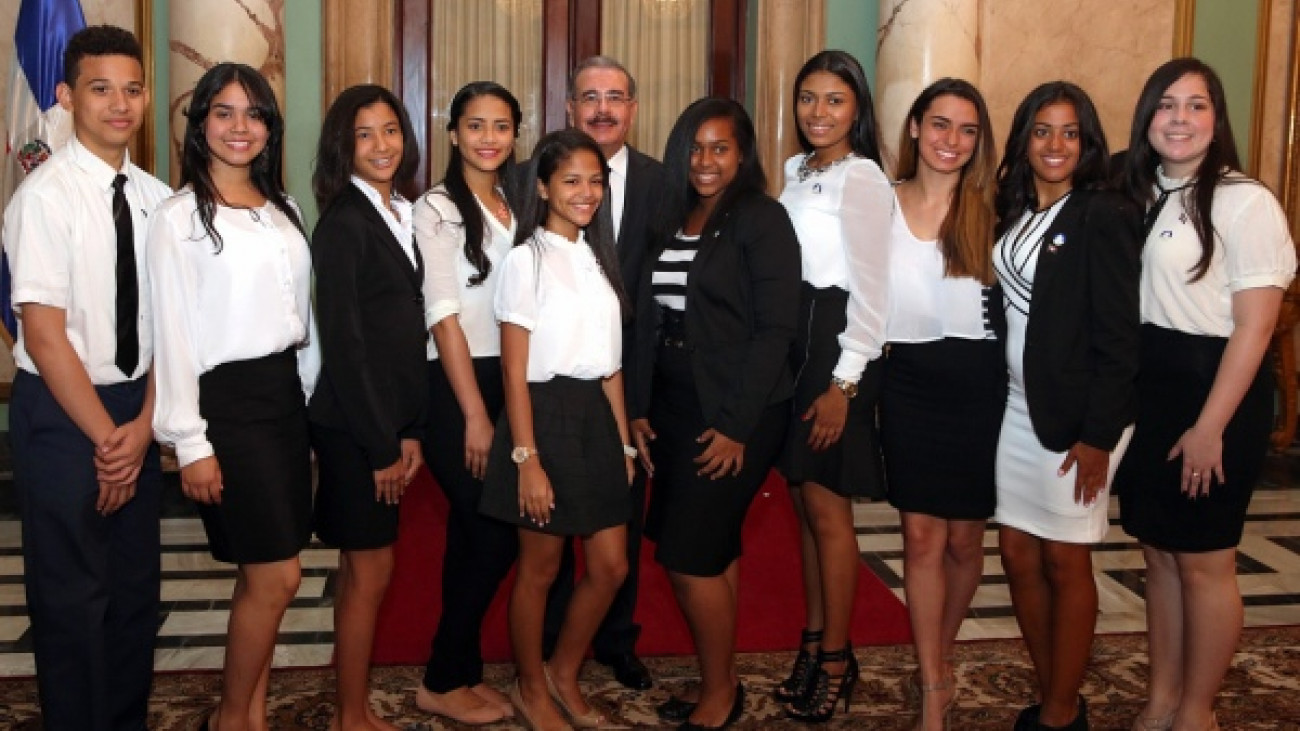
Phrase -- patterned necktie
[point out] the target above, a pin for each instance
(128, 285)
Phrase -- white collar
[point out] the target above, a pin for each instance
(618, 162)
(94, 165)
(551, 237)
(377, 200)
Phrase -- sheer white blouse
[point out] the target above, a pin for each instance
(841, 216)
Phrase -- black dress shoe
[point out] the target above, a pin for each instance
(629, 671)
(675, 710)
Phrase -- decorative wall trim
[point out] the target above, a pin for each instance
(1255, 153)
(1184, 27)
(142, 153)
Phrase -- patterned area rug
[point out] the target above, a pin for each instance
(1261, 691)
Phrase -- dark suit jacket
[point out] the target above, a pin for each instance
(1081, 342)
(370, 312)
(637, 234)
(742, 294)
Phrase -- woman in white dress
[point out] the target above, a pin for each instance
(1067, 259)
(1216, 261)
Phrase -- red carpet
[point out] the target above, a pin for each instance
(771, 594)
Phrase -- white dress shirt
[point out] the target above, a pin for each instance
(250, 300)
(618, 187)
(1252, 249)
(841, 216)
(556, 289)
(440, 234)
(925, 305)
(62, 247)
(399, 223)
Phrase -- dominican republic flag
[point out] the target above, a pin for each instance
(36, 124)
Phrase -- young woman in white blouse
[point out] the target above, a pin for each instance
(945, 376)
(464, 229)
(234, 358)
(1216, 261)
(560, 463)
(839, 201)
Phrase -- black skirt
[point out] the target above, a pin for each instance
(580, 450)
(1174, 380)
(940, 413)
(852, 466)
(696, 521)
(257, 424)
(348, 514)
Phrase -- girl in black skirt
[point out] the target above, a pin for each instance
(464, 229)
(945, 377)
(719, 311)
(839, 201)
(234, 355)
(367, 414)
(1216, 262)
(560, 464)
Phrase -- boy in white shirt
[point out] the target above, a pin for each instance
(85, 466)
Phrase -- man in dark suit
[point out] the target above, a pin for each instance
(602, 102)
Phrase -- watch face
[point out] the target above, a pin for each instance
(520, 454)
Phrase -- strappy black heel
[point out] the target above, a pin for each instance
(827, 690)
(803, 673)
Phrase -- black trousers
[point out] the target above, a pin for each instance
(480, 550)
(92, 581)
(617, 634)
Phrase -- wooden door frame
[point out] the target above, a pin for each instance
(570, 33)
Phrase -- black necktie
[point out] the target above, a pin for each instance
(128, 286)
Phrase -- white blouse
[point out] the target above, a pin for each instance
(440, 234)
(925, 305)
(397, 214)
(841, 216)
(1252, 249)
(555, 288)
(250, 300)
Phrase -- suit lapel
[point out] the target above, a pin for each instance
(1056, 249)
(414, 273)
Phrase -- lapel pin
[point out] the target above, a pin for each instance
(1057, 242)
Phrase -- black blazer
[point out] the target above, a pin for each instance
(1081, 342)
(742, 292)
(370, 312)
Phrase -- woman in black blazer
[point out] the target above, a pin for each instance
(718, 311)
(367, 413)
(1067, 260)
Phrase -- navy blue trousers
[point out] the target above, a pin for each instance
(92, 581)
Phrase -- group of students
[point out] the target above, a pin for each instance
(974, 340)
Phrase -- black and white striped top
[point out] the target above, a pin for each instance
(668, 281)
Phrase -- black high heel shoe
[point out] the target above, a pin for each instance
(827, 690)
(802, 674)
(737, 710)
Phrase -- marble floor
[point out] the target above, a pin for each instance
(196, 590)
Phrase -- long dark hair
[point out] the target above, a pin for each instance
(680, 194)
(551, 150)
(1016, 190)
(338, 143)
(1220, 158)
(454, 178)
(265, 172)
(864, 137)
(966, 234)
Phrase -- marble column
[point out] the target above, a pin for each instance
(789, 31)
(919, 41)
(207, 33)
(358, 45)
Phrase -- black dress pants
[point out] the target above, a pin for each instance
(480, 550)
(92, 581)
